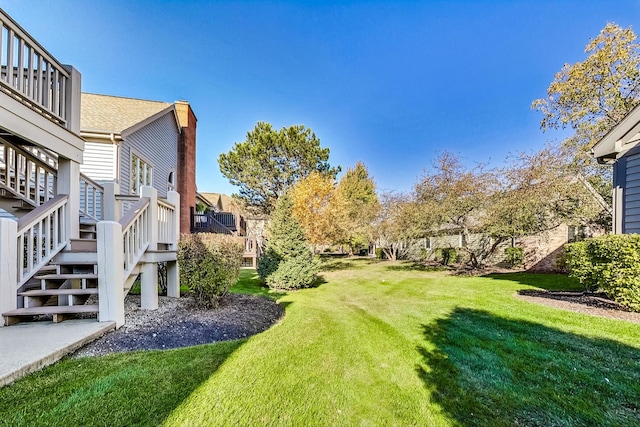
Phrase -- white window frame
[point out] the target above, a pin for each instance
(139, 164)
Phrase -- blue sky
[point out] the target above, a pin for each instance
(387, 83)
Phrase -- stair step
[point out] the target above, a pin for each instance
(55, 292)
(67, 276)
(58, 312)
(75, 257)
(73, 262)
(86, 245)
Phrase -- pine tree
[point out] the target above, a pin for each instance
(288, 262)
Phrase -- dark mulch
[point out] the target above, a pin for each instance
(180, 323)
(581, 302)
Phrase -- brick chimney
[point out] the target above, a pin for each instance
(186, 173)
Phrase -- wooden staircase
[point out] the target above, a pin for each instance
(62, 288)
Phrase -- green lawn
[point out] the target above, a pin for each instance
(377, 343)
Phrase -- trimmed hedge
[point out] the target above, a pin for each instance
(209, 265)
(608, 263)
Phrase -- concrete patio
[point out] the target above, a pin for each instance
(27, 347)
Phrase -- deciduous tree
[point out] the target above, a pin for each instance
(592, 96)
(358, 200)
(451, 195)
(316, 208)
(539, 192)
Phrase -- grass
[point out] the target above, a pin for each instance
(373, 345)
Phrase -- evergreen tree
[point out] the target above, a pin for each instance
(288, 262)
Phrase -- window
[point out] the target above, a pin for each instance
(427, 243)
(141, 174)
(576, 233)
(171, 182)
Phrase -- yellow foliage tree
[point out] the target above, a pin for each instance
(317, 209)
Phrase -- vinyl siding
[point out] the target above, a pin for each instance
(157, 145)
(99, 161)
(632, 195)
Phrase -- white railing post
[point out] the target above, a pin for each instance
(8, 265)
(152, 194)
(173, 197)
(69, 183)
(73, 88)
(110, 273)
(173, 270)
(149, 278)
(111, 208)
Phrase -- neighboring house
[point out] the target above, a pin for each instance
(220, 213)
(621, 149)
(135, 142)
(542, 251)
(65, 246)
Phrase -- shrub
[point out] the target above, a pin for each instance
(448, 255)
(288, 262)
(608, 263)
(294, 273)
(514, 255)
(379, 253)
(209, 265)
(268, 262)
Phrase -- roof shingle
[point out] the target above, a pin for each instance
(107, 113)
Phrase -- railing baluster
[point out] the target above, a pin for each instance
(55, 87)
(30, 74)
(10, 57)
(40, 77)
(30, 250)
(47, 236)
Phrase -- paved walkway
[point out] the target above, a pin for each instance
(27, 347)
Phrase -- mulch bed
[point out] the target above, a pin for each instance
(178, 322)
(593, 304)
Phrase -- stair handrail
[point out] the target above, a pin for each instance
(44, 155)
(92, 207)
(42, 233)
(135, 234)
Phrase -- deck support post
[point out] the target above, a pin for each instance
(8, 265)
(110, 273)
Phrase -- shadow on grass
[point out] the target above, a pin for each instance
(486, 370)
(338, 265)
(140, 388)
(549, 282)
(416, 267)
(249, 283)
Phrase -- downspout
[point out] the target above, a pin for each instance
(112, 137)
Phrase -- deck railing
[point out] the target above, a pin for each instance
(207, 223)
(31, 74)
(26, 175)
(91, 198)
(41, 235)
(135, 234)
(166, 222)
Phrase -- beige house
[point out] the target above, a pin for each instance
(223, 214)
